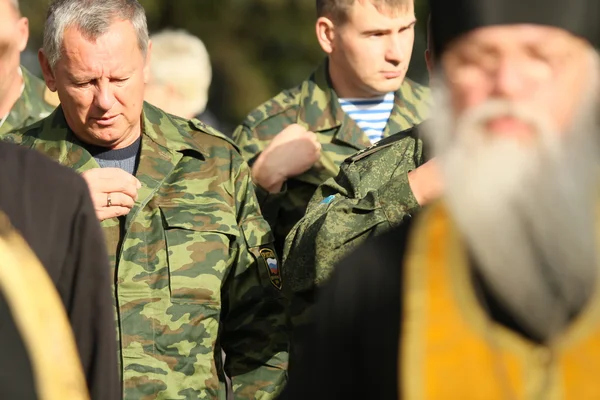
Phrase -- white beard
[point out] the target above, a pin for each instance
(527, 212)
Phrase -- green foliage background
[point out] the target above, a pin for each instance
(257, 47)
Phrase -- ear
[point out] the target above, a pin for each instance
(147, 62)
(23, 32)
(47, 71)
(325, 29)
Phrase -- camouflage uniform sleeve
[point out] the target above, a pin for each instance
(251, 147)
(337, 221)
(248, 143)
(254, 336)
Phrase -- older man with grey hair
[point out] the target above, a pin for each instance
(23, 97)
(194, 268)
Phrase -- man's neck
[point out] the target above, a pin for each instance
(343, 87)
(12, 94)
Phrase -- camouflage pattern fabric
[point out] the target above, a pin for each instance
(315, 106)
(370, 195)
(195, 269)
(30, 107)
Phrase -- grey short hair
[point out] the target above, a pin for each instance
(92, 18)
(15, 4)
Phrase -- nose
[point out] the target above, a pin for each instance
(394, 52)
(104, 98)
(509, 80)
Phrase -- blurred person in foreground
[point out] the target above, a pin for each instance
(193, 260)
(359, 95)
(180, 76)
(492, 291)
(57, 328)
(376, 189)
(24, 99)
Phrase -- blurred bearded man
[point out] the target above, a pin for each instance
(497, 292)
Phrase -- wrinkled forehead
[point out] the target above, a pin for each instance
(518, 37)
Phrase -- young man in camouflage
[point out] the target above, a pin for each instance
(376, 189)
(195, 271)
(24, 98)
(297, 140)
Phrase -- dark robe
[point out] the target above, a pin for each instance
(351, 349)
(50, 206)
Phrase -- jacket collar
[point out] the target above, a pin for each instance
(321, 111)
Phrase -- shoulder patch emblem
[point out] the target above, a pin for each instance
(272, 264)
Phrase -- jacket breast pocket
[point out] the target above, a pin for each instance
(199, 245)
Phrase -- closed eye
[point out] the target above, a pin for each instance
(83, 84)
(375, 33)
(119, 80)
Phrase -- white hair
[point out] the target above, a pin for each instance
(15, 4)
(181, 61)
(93, 19)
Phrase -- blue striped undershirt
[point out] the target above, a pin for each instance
(371, 115)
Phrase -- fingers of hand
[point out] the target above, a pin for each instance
(118, 199)
(111, 180)
(111, 212)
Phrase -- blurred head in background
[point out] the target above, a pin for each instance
(14, 33)
(96, 56)
(516, 130)
(368, 42)
(180, 74)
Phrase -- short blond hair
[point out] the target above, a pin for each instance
(338, 9)
(182, 61)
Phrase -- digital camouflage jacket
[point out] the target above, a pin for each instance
(315, 106)
(370, 195)
(194, 267)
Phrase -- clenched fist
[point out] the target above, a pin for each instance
(293, 151)
(113, 191)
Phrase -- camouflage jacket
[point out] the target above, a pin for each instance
(315, 106)
(32, 106)
(370, 195)
(195, 271)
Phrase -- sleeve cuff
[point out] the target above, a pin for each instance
(265, 197)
